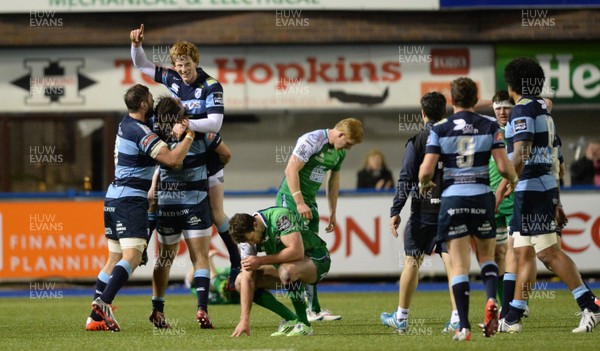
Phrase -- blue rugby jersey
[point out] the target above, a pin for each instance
(464, 142)
(530, 120)
(203, 96)
(188, 185)
(136, 146)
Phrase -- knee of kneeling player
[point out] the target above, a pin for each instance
(287, 273)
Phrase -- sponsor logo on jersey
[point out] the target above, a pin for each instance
(218, 98)
(284, 223)
(520, 124)
(461, 124)
(175, 88)
(449, 61)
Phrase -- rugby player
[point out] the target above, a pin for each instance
(421, 230)
(126, 203)
(317, 153)
(530, 139)
(202, 97)
(464, 142)
(183, 210)
(294, 256)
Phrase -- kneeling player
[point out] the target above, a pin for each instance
(294, 257)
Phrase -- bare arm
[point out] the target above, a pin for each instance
(426, 172)
(293, 251)
(293, 180)
(332, 190)
(246, 297)
(522, 149)
(174, 158)
(152, 191)
(224, 152)
(505, 167)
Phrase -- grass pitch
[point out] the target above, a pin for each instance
(58, 324)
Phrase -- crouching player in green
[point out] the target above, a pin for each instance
(294, 257)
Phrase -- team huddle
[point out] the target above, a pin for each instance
(169, 179)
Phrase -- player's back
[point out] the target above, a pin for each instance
(465, 141)
(530, 120)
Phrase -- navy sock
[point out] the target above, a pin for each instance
(515, 312)
(202, 284)
(593, 295)
(489, 276)
(585, 299)
(100, 286)
(232, 249)
(151, 223)
(461, 289)
(510, 282)
(158, 303)
(118, 278)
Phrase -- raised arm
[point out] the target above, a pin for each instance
(138, 56)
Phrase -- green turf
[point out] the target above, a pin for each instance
(58, 324)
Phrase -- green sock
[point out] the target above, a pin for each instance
(265, 299)
(296, 293)
(500, 287)
(313, 298)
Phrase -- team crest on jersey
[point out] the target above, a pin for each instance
(283, 223)
(175, 88)
(520, 124)
(197, 93)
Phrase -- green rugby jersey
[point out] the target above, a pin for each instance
(319, 156)
(495, 176)
(280, 221)
(495, 179)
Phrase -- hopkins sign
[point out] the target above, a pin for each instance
(255, 78)
(572, 70)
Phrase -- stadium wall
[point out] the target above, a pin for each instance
(64, 240)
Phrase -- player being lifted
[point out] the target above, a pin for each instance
(464, 142)
(531, 140)
(202, 98)
(317, 153)
(294, 256)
